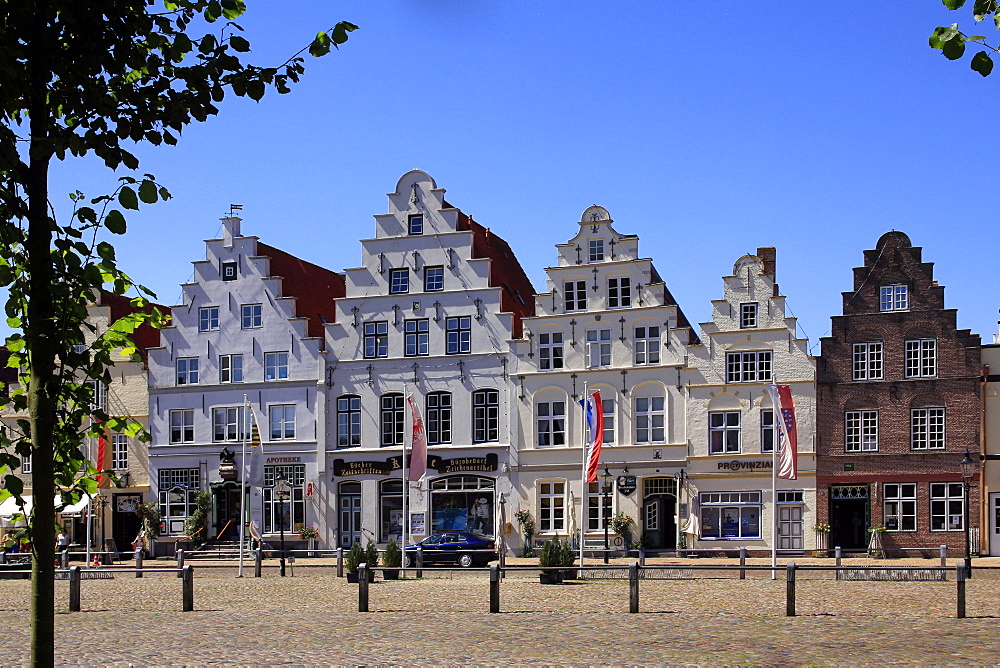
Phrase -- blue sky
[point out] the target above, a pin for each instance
(706, 129)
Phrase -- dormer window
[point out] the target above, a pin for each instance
(415, 224)
(894, 298)
(748, 315)
(596, 250)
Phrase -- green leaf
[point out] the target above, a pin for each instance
(255, 89)
(320, 46)
(239, 44)
(13, 323)
(340, 31)
(954, 48)
(115, 222)
(981, 8)
(982, 63)
(127, 198)
(147, 192)
(941, 35)
(953, 4)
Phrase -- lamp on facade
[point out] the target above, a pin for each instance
(281, 494)
(606, 488)
(968, 468)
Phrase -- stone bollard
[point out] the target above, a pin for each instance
(495, 576)
(340, 562)
(64, 558)
(187, 587)
(420, 562)
(138, 562)
(180, 562)
(838, 554)
(362, 587)
(633, 587)
(944, 556)
(743, 562)
(790, 590)
(960, 583)
(74, 589)
(258, 561)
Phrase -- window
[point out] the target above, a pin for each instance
(348, 421)
(767, 434)
(868, 360)
(392, 419)
(187, 370)
(98, 395)
(376, 339)
(596, 250)
(575, 293)
(229, 424)
(551, 421)
(458, 335)
(230, 368)
(415, 224)
(485, 416)
(275, 366)
(608, 410)
(552, 506)
(119, 452)
(900, 506)
(177, 491)
(921, 358)
(282, 422)
(208, 319)
(26, 464)
(438, 418)
(284, 514)
(749, 367)
(391, 510)
(723, 432)
(399, 281)
(927, 428)
(182, 426)
(748, 315)
(861, 431)
(415, 337)
(649, 420)
(619, 292)
(730, 515)
(647, 344)
(893, 298)
(598, 347)
(250, 316)
(550, 350)
(947, 506)
(433, 279)
(595, 501)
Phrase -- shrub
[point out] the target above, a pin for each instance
(393, 556)
(354, 558)
(550, 554)
(371, 555)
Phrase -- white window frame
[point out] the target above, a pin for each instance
(26, 464)
(598, 348)
(899, 503)
(748, 315)
(715, 506)
(119, 452)
(650, 419)
(295, 504)
(281, 418)
(99, 394)
(608, 410)
(231, 368)
(415, 223)
(458, 335)
(647, 344)
(596, 499)
(416, 337)
(233, 421)
(187, 371)
(574, 296)
(348, 421)
(947, 504)
(182, 425)
(208, 319)
(438, 412)
(595, 250)
(768, 431)
(399, 281)
(375, 343)
(721, 426)
(749, 366)
(485, 416)
(550, 423)
(275, 366)
(927, 428)
(392, 418)
(550, 350)
(921, 358)
(861, 431)
(434, 278)
(619, 292)
(251, 316)
(551, 506)
(868, 360)
(894, 297)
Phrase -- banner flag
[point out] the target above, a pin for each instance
(418, 444)
(254, 472)
(594, 412)
(788, 457)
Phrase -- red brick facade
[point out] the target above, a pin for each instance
(873, 387)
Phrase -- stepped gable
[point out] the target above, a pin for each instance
(145, 336)
(315, 288)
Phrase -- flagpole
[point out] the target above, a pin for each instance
(584, 490)
(243, 482)
(775, 444)
(406, 502)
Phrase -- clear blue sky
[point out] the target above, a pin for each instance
(707, 129)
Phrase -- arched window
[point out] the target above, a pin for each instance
(392, 419)
(438, 413)
(348, 421)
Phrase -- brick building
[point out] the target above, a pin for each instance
(898, 401)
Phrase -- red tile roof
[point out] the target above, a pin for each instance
(313, 287)
(145, 336)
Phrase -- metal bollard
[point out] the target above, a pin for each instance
(790, 590)
(180, 561)
(3, 557)
(138, 562)
(64, 558)
(420, 562)
(838, 554)
(743, 562)
(187, 587)
(258, 561)
(642, 555)
(633, 587)
(74, 589)
(944, 556)
(503, 562)
(340, 562)
(363, 588)
(495, 575)
(960, 582)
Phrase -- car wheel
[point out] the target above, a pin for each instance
(407, 561)
(465, 560)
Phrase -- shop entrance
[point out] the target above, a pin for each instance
(659, 513)
(125, 523)
(350, 513)
(790, 527)
(226, 523)
(994, 525)
(849, 513)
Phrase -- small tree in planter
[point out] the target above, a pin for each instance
(391, 558)
(354, 558)
(371, 558)
(622, 525)
(527, 525)
(550, 559)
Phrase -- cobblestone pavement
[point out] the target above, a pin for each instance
(311, 618)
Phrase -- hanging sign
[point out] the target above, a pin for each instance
(626, 484)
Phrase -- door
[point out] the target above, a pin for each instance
(350, 520)
(227, 514)
(659, 526)
(125, 523)
(994, 525)
(789, 527)
(849, 517)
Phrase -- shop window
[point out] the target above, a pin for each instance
(463, 503)
(391, 511)
(730, 515)
(177, 489)
(900, 506)
(288, 513)
(947, 506)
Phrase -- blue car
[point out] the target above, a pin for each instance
(451, 547)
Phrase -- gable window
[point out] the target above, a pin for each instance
(947, 506)
(893, 298)
(438, 418)
(275, 366)
(551, 421)
(575, 293)
(415, 224)
(649, 420)
(230, 424)
(550, 350)
(647, 345)
(458, 335)
(861, 431)
(900, 506)
(433, 279)
(415, 337)
(376, 339)
(187, 370)
(182, 426)
(608, 410)
(230, 368)
(598, 348)
(119, 452)
(619, 292)
(392, 419)
(723, 432)
(282, 420)
(927, 428)
(748, 315)
(251, 316)
(748, 367)
(921, 358)
(348, 421)
(552, 505)
(399, 281)
(485, 416)
(868, 360)
(208, 319)
(596, 250)
(767, 435)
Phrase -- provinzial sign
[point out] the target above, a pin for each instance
(736, 465)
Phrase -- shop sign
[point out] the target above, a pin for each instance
(417, 524)
(283, 460)
(383, 467)
(626, 484)
(737, 465)
(487, 463)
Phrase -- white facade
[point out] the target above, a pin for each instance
(748, 344)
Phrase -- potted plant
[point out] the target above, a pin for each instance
(309, 534)
(527, 525)
(567, 557)
(371, 558)
(354, 558)
(550, 559)
(622, 524)
(392, 558)
(822, 530)
(875, 550)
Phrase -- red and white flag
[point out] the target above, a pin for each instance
(594, 412)
(418, 444)
(788, 457)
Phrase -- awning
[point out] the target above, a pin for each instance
(9, 507)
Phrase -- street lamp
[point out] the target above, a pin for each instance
(606, 478)
(281, 494)
(968, 468)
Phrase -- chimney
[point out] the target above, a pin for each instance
(767, 256)
(230, 230)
